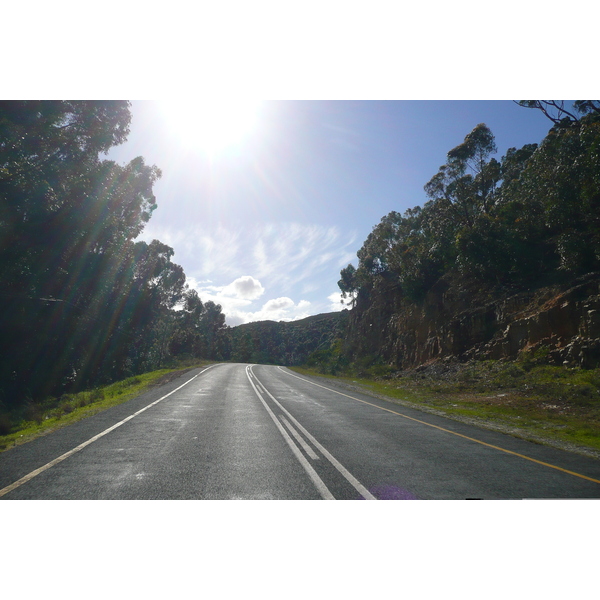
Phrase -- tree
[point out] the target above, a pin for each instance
(347, 283)
(67, 221)
(464, 187)
(557, 113)
(200, 330)
(561, 180)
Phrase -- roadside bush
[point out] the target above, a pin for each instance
(66, 407)
(82, 399)
(585, 394)
(5, 424)
(329, 361)
(533, 358)
(33, 413)
(511, 376)
(96, 395)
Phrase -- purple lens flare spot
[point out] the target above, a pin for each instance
(391, 492)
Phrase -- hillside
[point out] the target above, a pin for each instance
(285, 343)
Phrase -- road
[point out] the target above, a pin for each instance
(235, 431)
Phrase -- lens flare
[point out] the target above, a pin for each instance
(211, 125)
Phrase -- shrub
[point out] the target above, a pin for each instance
(96, 395)
(511, 376)
(5, 424)
(81, 400)
(33, 413)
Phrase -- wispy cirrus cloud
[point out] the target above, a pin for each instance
(291, 253)
(284, 254)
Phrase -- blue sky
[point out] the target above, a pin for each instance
(264, 225)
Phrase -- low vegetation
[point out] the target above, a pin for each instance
(32, 419)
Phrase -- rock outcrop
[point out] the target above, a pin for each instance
(470, 324)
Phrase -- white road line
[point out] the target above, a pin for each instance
(299, 439)
(320, 485)
(359, 487)
(260, 387)
(54, 462)
(455, 433)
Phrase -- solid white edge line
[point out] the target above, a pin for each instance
(62, 457)
(455, 433)
(359, 487)
(319, 484)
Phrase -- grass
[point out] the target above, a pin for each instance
(542, 403)
(38, 419)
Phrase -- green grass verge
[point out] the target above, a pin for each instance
(542, 403)
(42, 418)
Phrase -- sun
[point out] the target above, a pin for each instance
(211, 125)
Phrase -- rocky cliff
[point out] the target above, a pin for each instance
(467, 323)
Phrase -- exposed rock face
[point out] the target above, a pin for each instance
(466, 324)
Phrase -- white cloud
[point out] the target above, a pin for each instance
(335, 300)
(236, 301)
(244, 287)
(278, 304)
(237, 266)
(286, 253)
(280, 309)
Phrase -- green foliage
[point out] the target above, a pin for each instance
(330, 360)
(515, 222)
(83, 303)
(5, 424)
(199, 329)
(348, 284)
(285, 343)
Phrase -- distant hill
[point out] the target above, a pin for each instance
(285, 342)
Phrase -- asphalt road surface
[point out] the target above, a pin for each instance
(235, 431)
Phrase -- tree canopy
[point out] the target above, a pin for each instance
(83, 302)
(510, 221)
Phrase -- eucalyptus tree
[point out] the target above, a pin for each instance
(67, 223)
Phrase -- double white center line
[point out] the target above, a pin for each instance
(260, 391)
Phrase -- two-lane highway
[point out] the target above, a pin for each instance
(233, 431)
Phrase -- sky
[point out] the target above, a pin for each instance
(264, 202)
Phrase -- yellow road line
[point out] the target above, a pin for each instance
(539, 462)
